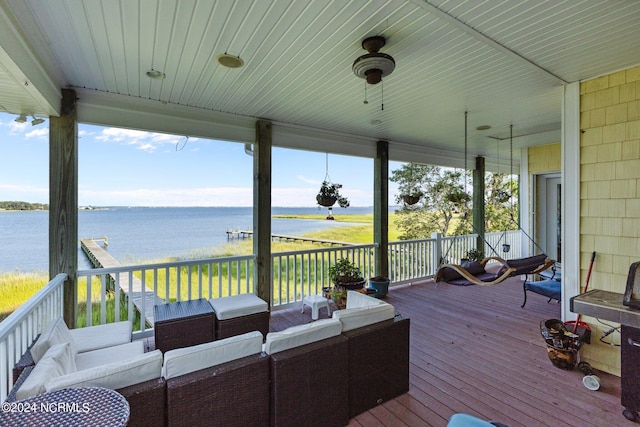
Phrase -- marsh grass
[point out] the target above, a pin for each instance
(16, 288)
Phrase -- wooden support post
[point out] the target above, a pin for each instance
(381, 208)
(262, 210)
(63, 201)
(478, 203)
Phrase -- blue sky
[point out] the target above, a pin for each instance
(123, 167)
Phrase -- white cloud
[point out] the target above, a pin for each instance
(309, 180)
(142, 140)
(39, 133)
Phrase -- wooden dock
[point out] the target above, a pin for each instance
(100, 258)
(282, 237)
(307, 239)
(240, 234)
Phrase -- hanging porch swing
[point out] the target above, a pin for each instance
(474, 273)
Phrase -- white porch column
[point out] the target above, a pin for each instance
(570, 197)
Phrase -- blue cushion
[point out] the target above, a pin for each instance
(548, 288)
(466, 420)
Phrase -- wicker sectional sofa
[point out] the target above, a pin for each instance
(318, 374)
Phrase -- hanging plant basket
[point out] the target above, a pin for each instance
(502, 196)
(329, 194)
(411, 199)
(326, 201)
(458, 196)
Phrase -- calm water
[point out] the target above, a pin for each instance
(139, 234)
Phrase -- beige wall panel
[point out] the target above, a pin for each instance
(628, 92)
(633, 74)
(631, 150)
(592, 136)
(624, 189)
(607, 97)
(544, 158)
(613, 133)
(633, 130)
(616, 114)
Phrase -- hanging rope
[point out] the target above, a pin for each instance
(327, 178)
(511, 159)
(465, 151)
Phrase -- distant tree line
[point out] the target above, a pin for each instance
(23, 206)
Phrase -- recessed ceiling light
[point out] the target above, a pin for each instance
(155, 74)
(230, 61)
(376, 122)
(483, 127)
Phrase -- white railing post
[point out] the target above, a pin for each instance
(436, 256)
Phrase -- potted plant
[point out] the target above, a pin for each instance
(474, 255)
(338, 295)
(381, 286)
(346, 274)
(329, 194)
(457, 195)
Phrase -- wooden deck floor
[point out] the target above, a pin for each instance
(474, 350)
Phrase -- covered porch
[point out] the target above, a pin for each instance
(474, 350)
(157, 67)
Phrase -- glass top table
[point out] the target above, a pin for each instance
(70, 407)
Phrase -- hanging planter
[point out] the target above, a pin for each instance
(502, 196)
(411, 199)
(457, 196)
(329, 194)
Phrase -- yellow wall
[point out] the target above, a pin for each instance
(609, 193)
(544, 159)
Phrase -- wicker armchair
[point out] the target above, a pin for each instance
(235, 393)
(378, 363)
(309, 385)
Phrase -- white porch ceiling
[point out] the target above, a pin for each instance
(503, 61)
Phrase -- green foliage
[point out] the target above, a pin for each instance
(475, 255)
(344, 271)
(23, 206)
(446, 205)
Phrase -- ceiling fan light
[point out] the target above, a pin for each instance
(379, 63)
(373, 76)
(21, 118)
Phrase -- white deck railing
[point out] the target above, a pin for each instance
(18, 331)
(295, 274)
(152, 284)
(300, 273)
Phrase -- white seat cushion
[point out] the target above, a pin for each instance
(56, 332)
(108, 355)
(57, 361)
(237, 306)
(297, 336)
(182, 361)
(101, 336)
(363, 310)
(145, 367)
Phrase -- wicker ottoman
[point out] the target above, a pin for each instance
(183, 324)
(239, 314)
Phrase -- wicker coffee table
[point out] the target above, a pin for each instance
(70, 407)
(183, 324)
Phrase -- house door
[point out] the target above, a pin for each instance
(548, 209)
